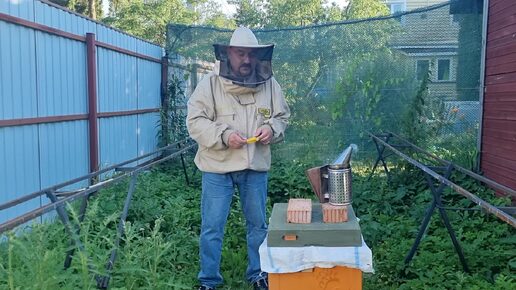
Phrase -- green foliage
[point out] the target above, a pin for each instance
(149, 20)
(160, 247)
(294, 13)
(288, 180)
(391, 214)
(360, 9)
(414, 128)
(211, 14)
(249, 13)
(372, 91)
(91, 8)
(172, 124)
(458, 148)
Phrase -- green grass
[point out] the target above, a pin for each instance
(160, 248)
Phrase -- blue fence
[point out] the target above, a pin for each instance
(44, 116)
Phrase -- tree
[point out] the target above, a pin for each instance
(92, 11)
(360, 9)
(114, 6)
(249, 13)
(149, 20)
(282, 13)
(210, 14)
(91, 8)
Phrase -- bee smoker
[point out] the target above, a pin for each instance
(332, 183)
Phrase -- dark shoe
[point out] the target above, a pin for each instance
(204, 287)
(261, 284)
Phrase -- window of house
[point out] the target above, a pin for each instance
(422, 67)
(443, 69)
(397, 6)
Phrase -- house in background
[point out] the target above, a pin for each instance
(431, 39)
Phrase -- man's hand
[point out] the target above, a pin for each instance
(236, 141)
(265, 134)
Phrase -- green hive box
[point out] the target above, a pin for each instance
(317, 233)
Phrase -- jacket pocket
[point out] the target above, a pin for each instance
(226, 117)
(216, 155)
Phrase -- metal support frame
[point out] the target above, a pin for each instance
(503, 213)
(380, 148)
(183, 163)
(65, 219)
(437, 203)
(103, 280)
(82, 214)
(73, 229)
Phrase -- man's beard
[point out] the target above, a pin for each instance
(250, 69)
(250, 80)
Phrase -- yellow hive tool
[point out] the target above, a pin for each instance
(252, 140)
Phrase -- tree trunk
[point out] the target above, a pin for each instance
(92, 9)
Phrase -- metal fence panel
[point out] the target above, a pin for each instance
(118, 140)
(61, 70)
(148, 126)
(43, 78)
(149, 49)
(17, 72)
(113, 37)
(63, 152)
(117, 81)
(149, 84)
(62, 20)
(19, 169)
(22, 8)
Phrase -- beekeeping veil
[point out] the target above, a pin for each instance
(260, 59)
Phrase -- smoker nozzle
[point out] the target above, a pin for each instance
(344, 158)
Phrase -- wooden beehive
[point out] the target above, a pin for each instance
(299, 211)
(317, 233)
(334, 213)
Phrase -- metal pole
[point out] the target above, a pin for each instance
(485, 205)
(87, 176)
(165, 101)
(92, 101)
(483, 53)
(472, 174)
(53, 206)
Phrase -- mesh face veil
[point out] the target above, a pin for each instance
(245, 66)
(244, 61)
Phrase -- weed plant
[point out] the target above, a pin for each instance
(160, 247)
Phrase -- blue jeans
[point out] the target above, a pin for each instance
(217, 194)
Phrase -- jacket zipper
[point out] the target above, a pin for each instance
(247, 132)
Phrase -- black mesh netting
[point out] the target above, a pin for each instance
(415, 73)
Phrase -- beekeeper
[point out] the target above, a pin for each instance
(235, 114)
